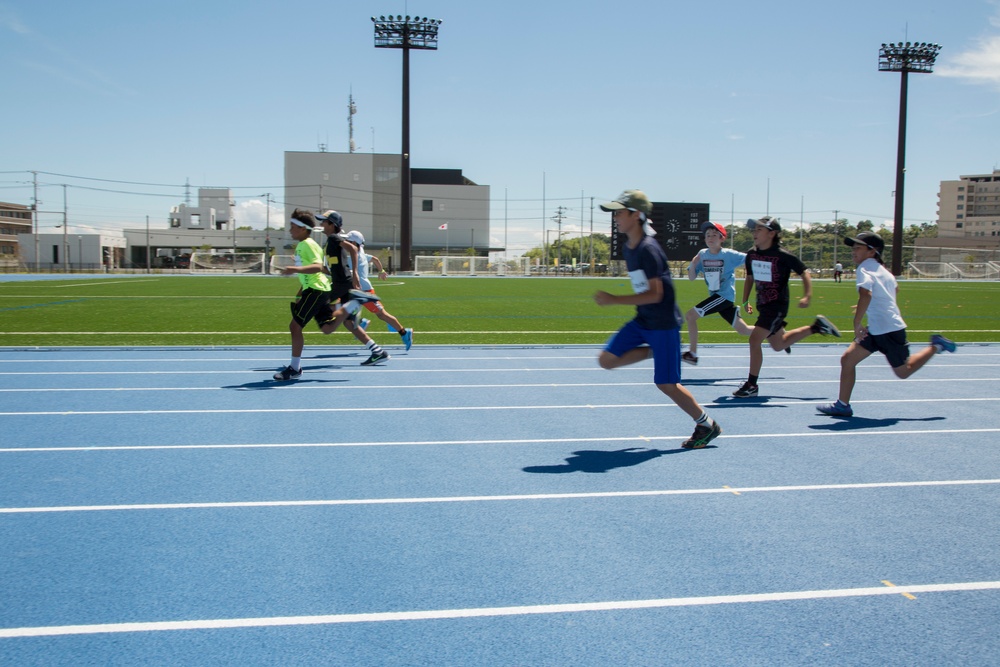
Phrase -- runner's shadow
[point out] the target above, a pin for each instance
(731, 401)
(589, 460)
(709, 382)
(857, 423)
(275, 384)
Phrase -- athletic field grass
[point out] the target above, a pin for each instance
(162, 310)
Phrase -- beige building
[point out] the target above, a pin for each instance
(449, 210)
(15, 220)
(969, 210)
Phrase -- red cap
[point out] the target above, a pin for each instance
(716, 226)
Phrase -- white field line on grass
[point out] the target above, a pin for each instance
(455, 408)
(638, 439)
(483, 612)
(727, 490)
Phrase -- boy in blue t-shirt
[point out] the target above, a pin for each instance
(718, 265)
(655, 330)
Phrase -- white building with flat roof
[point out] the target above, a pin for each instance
(212, 212)
(365, 189)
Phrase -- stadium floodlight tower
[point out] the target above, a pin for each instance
(398, 32)
(903, 57)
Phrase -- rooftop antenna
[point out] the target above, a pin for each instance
(187, 191)
(351, 110)
(320, 145)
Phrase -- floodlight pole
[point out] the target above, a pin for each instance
(405, 33)
(904, 58)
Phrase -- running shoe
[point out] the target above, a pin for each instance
(702, 436)
(788, 350)
(689, 358)
(288, 373)
(837, 409)
(364, 323)
(375, 359)
(825, 327)
(362, 297)
(943, 344)
(746, 391)
(408, 338)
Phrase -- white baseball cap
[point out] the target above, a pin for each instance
(354, 236)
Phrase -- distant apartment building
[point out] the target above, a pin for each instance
(969, 210)
(448, 209)
(14, 219)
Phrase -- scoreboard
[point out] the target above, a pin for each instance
(678, 230)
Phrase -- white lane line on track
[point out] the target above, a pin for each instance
(514, 385)
(453, 408)
(507, 498)
(432, 354)
(527, 441)
(473, 332)
(355, 368)
(481, 612)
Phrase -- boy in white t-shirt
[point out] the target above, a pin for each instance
(886, 330)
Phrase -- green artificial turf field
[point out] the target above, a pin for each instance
(253, 310)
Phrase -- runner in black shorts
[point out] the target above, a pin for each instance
(886, 329)
(342, 265)
(718, 267)
(769, 268)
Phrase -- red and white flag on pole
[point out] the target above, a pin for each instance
(444, 226)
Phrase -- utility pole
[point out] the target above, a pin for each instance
(558, 217)
(65, 251)
(836, 235)
(267, 233)
(34, 216)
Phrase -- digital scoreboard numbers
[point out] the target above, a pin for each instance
(678, 230)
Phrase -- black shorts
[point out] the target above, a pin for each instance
(771, 316)
(717, 304)
(893, 345)
(338, 291)
(312, 304)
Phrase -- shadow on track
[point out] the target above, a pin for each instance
(589, 460)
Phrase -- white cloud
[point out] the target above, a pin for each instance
(253, 213)
(981, 64)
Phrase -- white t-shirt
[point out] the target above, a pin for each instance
(363, 259)
(883, 313)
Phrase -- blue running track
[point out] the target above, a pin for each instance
(493, 506)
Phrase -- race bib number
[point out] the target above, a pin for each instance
(640, 283)
(714, 280)
(762, 271)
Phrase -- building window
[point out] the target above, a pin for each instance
(428, 205)
(961, 197)
(961, 206)
(384, 174)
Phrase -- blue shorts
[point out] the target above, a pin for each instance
(665, 343)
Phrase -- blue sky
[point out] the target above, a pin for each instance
(773, 106)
